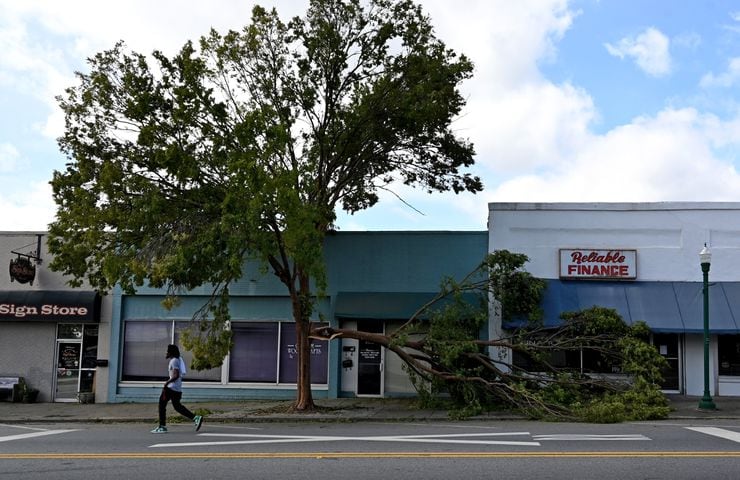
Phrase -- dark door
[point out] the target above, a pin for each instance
(370, 361)
(668, 347)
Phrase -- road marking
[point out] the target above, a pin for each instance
(588, 438)
(454, 438)
(23, 436)
(718, 432)
(377, 455)
(23, 427)
(250, 439)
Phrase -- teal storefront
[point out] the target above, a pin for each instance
(374, 279)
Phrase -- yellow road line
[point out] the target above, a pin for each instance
(334, 455)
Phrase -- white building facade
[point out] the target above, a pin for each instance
(643, 260)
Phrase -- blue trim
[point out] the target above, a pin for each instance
(116, 342)
(335, 371)
(150, 394)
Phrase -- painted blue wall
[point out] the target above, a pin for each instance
(401, 261)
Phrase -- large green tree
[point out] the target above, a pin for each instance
(243, 147)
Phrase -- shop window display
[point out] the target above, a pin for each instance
(144, 346)
(254, 355)
(729, 355)
(583, 360)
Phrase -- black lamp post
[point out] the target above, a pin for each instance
(705, 258)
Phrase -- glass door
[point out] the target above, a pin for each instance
(370, 362)
(668, 345)
(76, 361)
(68, 370)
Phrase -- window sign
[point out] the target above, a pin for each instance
(289, 356)
(584, 263)
(69, 356)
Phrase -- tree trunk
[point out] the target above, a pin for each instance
(302, 315)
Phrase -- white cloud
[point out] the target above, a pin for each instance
(31, 209)
(691, 40)
(670, 156)
(9, 158)
(516, 118)
(726, 79)
(41, 63)
(650, 50)
(505, 39)
(533, 125)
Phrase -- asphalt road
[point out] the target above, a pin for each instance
(441, 450)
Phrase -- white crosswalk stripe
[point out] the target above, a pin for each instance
(460, 439)
(465, 438)
(23, 436)
(586, 437)
(718, 432)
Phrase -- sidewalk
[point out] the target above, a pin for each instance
(331, 410)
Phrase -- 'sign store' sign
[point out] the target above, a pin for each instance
(584, 263)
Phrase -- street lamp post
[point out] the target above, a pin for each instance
(705, 258)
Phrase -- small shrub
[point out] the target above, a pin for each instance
(604, 412)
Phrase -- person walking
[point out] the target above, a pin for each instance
(172, 391)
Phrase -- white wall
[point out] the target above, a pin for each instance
(349, 375)
(26, 242)
(694, 365)
(667, 236)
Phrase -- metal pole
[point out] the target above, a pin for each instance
(706, 402)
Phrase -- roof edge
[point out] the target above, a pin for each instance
(612, 206)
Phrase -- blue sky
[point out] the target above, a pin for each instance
(583, 100)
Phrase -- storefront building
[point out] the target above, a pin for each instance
(641, 259)
(376, 281)
(51, 335)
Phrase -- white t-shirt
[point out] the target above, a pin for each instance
(176, 363)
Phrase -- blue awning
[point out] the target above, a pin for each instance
(667, 307)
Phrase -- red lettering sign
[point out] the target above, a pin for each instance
(598, 264)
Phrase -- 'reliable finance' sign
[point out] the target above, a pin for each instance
(593, 264)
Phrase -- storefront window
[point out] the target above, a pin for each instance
(144, 349)
(210, 375)
(596, 362)
(254, 356)
(69, 331)
(263, 352)
(729, 355)
(90, 346)
(583, 360)
(289, 357)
